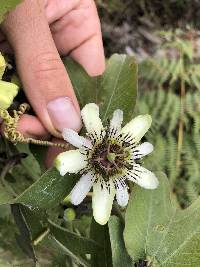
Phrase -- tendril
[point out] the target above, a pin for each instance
(13, 135)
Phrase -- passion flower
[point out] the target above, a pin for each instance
(106, 158)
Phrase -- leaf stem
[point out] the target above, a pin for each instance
(38, 239)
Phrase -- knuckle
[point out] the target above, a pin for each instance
(46, 64)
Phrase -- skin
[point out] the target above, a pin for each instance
(38, 32)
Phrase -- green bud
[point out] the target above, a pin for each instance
(69, 214)
(8, 91)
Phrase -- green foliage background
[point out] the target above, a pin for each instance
(161, 79)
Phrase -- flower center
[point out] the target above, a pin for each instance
(109, 159)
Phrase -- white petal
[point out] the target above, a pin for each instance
(81, 189)
(90, 116)
(137, 127)
(143, 177)
(142, 150)
(102, 201)
(116, 120)
(71, 161)
(75, 139)
(122, 194)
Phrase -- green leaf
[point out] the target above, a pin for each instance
(119, 86)
(100, 234)
(73, 242)
(6, 6)
(120, 257)
(60, 249)
(48, 191)
(87, 88)
(23, 239)
(115, 89)
(30, 163)
(72, 245)
(156, 229)
(34, 221)
(5, 197)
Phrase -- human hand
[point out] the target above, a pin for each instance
(37, 32)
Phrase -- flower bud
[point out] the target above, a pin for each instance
(69, 214)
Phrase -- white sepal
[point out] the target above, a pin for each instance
(122, 194)
(143, 177)
(81, 189)
(71, 161)
(142, 150)
(137, 127)
(117, 120)
(75, 139)
(90, 116)
(102, 201)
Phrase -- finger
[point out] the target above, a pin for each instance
(92, 49)
(78, 32)
(41, 70)
(30, 126)
(56, 9)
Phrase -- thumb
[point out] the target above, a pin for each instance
(42, 72)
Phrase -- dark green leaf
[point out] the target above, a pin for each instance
(23, 239)
(87, 88)
(34, 220)
(48, 191)
(120, 257)
(100, 234)
(5, 197)
(116, 88)
(39, 153)
(76, 244)
(156, 229)
(29, 163)
(77, 259)
(119, 87)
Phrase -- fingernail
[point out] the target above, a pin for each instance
(63, 114)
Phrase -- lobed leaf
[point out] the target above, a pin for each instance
(30, 163)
